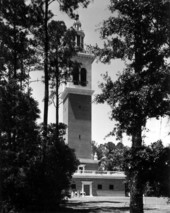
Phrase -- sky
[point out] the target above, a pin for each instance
(91, 19)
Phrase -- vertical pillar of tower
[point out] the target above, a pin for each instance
(78, 120)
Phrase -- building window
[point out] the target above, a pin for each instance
(111, 187)
(81, 168)
(82, 42)
(78, 40)
(99, 186)
(79, 77)
(83, 75)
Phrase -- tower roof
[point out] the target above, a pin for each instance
(77, 23)
(77, 26)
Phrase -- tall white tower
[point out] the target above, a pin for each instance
(77, 96)
(77, 103)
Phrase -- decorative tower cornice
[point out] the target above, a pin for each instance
(80, 34)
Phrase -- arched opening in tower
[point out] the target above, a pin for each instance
(83, 76)
(76, 75)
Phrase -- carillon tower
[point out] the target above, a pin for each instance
(77, 98)
(77, 103)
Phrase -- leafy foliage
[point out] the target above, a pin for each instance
(18, 114)
(50, 179)
(64, 5)
(16, 44)
(57, 46)
(136, 97)
(137, 33)
(110, 156)
(61, 50)
(70, 6)
(19, 140)
(31, 179)
(136, 24)
(152, 164)
(35, 167)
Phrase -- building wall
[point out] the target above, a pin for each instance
(65, 117)
(77, 115)
(117, 189)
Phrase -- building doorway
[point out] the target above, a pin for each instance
(86, 188)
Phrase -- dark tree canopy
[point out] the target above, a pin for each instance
(136, 97)
(19, 141)
(70, 6)
(153, 165)
(28, 182)
(18, 114)
(50, 180)
(138, 32)
(35, 167)
(17, 52)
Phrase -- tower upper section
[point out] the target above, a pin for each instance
(81, 78)
(79, 39)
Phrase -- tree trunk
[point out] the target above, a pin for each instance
(1, 210)
(136, 189)
(46, 100)
(15, 54)
(136, 194)
(46, 96)
(57, 101)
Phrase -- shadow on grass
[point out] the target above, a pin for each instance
(82, 207)
(100, 210)
(94, 210)
(79, 203)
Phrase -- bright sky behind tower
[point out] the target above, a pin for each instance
(91, 19)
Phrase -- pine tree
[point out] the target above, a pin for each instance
(43, 14)
(18, 114)
(17, 52)
(62, 49)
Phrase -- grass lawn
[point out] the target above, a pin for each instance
(114, 204)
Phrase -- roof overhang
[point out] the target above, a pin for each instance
(79, 91)
(99, 175)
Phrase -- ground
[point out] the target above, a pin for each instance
(114, 205)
